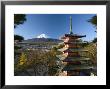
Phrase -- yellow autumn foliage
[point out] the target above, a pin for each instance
(23, 59)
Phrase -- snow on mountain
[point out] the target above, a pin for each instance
(42, 36)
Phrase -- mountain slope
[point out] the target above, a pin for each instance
(42, 40)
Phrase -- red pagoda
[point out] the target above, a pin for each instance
(71, 60)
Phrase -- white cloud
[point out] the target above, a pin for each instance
(42, 36)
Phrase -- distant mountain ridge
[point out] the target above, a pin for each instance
(42, 40)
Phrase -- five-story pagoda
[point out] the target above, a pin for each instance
(73, 63)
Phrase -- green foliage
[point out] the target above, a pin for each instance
(37, 57)
(92, 52)
(17, 47)
(94, 40)
(51, 57)
(54, 48)
(53, 70)
(18, 37)
(19, 19)
(93, 21)
(60, 46)
(85, 44)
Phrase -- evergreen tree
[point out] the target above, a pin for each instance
(19, 19)
(18, 37)
(93, 21)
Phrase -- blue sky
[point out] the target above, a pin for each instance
(56, 25)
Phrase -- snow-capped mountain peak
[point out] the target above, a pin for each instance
(42, 36)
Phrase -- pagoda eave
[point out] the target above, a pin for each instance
(63, 57)
(75, 59)
(77, 67)
(72, 36)
(73, 50)
(74, 42)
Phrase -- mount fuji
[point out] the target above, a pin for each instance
(42, 38)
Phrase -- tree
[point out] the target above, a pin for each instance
(18, 37)
(19, 19)
(23, 59)
(21, 65)
(40, 63)
(52, 65)
(85, 44)
(94, 40)
(93, 21)
(92, 52)
(37, 62)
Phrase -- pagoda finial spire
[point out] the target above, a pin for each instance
(71, 25)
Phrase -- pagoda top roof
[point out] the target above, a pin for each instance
(73, 35)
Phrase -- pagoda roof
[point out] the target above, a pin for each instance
(70, 51)
(74, 42)
(61, 57)
(65, 58)
(69, 59)
(77, 67)
(72, 35)
(73, 49)
(75, 35)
